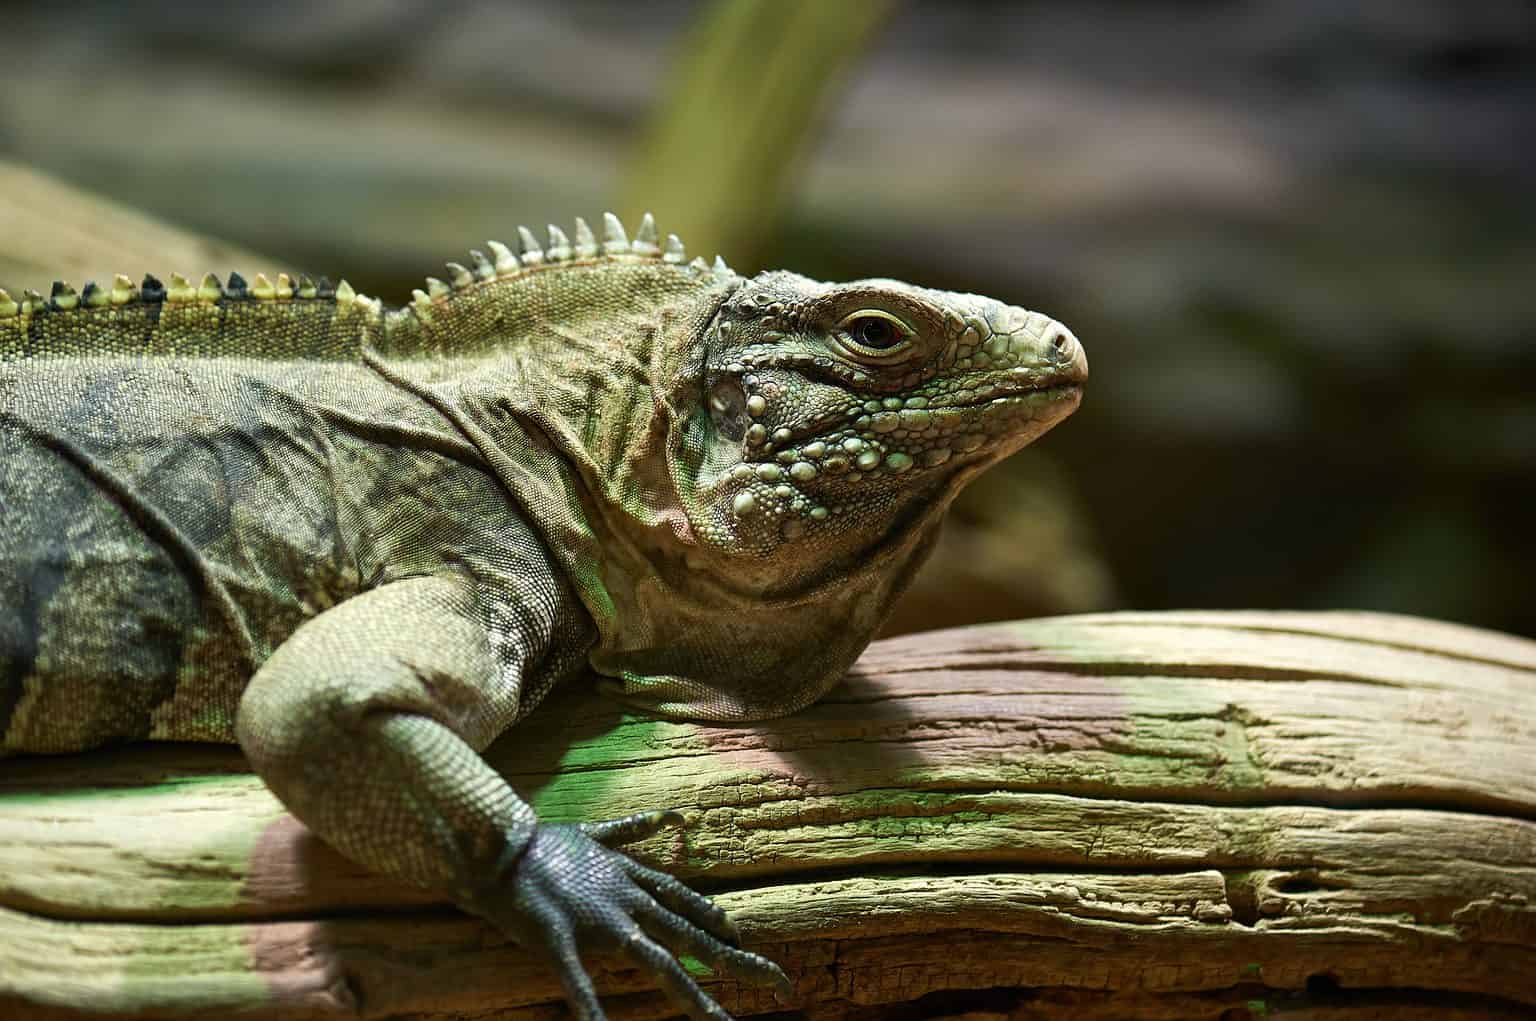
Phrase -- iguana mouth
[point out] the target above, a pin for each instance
(830, 427)
(1052, 390)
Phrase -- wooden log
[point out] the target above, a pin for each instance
(1177, 815)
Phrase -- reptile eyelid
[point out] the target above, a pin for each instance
(896, 352)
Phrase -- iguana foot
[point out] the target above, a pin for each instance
(569, 888)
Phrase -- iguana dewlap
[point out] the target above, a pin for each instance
(362, 543)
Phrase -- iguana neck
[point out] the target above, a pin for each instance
(592, 357)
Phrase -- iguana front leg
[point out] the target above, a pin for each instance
(367, 724)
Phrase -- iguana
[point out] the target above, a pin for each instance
(362, 543)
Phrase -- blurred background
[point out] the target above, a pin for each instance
(1297, 237)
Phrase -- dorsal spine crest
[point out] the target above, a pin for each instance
(218, 303)
(504, 263)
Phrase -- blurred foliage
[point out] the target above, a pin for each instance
(1296, 238)
(750, 84)
(52, 231)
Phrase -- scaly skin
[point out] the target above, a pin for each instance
(363, 544)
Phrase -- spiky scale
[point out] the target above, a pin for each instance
(506, 262)
(586, 242)
(123, 290)
(532, 255)
(32, 302)
(459, 275)
(345, 295)
(559, 248)
(63, 296)
(284, 286)
(615, 241)
(262, 289)
(437, 289)
(324, 288)
(305, 288)
(646, 237)
(698, 265)
(151, 289)
(721, 267)
(237, 288)
(484, 268)
(210, 289)
(93, 296)
(180, 289)
(419, 300)
(8, 306)
(674, 252)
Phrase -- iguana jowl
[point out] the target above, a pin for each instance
(363, 543)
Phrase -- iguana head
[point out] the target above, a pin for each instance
(739, 474)
(816, 434)
(839, 419)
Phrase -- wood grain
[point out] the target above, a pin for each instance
(1177, 815)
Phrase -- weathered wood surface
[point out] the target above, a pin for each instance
(1191, 815)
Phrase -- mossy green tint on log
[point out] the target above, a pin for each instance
(1152, 815)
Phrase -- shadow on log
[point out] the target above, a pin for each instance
(1179, 815)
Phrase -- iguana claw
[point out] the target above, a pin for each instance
(571, 889)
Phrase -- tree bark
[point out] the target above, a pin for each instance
(1177, 815)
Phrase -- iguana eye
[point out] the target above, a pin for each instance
(873, 334)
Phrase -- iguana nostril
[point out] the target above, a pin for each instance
(1062, 343)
